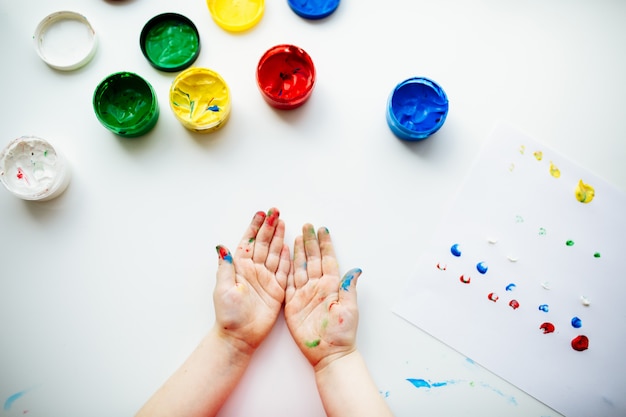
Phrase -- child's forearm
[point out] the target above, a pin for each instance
(203, 382)
(347, 389)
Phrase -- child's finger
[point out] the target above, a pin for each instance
(347, 285)
(329, 260)
(225, 278)
(299, 267)
(246, 246)
(265, 235)
(312, 251)
(276, 247)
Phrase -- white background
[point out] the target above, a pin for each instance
(105, 290)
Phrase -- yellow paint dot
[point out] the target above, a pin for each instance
(554, 171)
(236, 15)
(522, 149)
(538, 155)
(584, 192)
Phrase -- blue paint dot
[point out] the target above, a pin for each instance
(482, 267)
(455, 250)
(577, 322)
(213, 108)
(511, 287)
(419, 383)
(544, 308)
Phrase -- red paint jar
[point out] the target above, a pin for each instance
(286, 76)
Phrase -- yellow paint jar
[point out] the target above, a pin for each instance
(236, 15)
(200, 99)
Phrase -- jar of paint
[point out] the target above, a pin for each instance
(200, 99)
(32, 169)
(285, 76)
(126, 104)
(65, 40)
(236, 16)
(170, 42)
(417, 108)
(313, 9)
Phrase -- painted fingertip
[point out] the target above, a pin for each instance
(272, 215)
(224, 254)
(348, 277)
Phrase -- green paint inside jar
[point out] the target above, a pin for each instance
(171, 45)
(126, 104)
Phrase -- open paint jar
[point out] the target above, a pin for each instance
(200, 99)
(32, 169)
(126, 104)
(236, 16)
(65, 40)
(170, 42)
(416, 108)
(313, 9)
(286, 76)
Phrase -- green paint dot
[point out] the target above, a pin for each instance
(324, 323)
(596, 255)
(314, 343)
(570, 243)
(251, 240)
(542, 231)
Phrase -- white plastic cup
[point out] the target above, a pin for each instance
(32, 169)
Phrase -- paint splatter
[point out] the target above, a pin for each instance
(584, 192)
(492, 240)
(580, 343)
(482, 267)
(313, 343)
(224, 254)
(519, 219)
(422, 383)
(514, 304)
(538, 155)
(511, 258)
(547, 327)
(9, 401)
(511, 287)
(577, 323)
(511, 167)
(544, 307)
(493, 297)
(464, 279)
(455, 250)
(585, 301)
(569, 243)
(419, 383)
(546, 285)
(597, 255)
(542, 231)
(441, 267)
(522, 149)
(348, 277)
(554, 171)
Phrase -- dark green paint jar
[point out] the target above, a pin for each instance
(126, 104)
(170, 42)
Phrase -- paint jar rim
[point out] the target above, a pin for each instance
(89, 50)
(312, 12)
(139, 127)
(440, 111)
(232, 24)
(266, 76)
(164, 18)
(59, 182)
(216, 79)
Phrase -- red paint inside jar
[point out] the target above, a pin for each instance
(286, 76)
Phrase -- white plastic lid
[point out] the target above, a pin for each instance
(65, 40)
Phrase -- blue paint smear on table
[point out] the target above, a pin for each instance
(9, 401)
(423, 383)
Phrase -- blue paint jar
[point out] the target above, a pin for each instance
(416, 108)
(313, 9)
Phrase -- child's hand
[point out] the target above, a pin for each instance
(320, 307)
(250, 286)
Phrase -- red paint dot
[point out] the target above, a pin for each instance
(580, 343)
(340, 320)
(493, 296)
(547, 328)
(464, 279)
(514, 304)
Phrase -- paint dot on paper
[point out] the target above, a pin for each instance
(511, 258)
(580, 343)
(569, 243)
(464, 279)
(492, 240)
(584, 192)
(538, 155)
(455, 250)
(544, 307)
(493, 297)
(511, 287)
(577, 323)
(547, 327)
(585, 301)
(511, 167)
(514, 304)
(542, 231)
(546, 285)
(419, 383)
(482, 267)
(597, 255)
(554, 171)
(519, 219)
(522, 149)
(441, 267)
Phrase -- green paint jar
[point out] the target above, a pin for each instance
(170, 42)
(126, 104)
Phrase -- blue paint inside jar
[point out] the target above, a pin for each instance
(416, 108)
(313, 9)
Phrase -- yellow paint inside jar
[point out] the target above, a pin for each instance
(236, 15)
(200, 99)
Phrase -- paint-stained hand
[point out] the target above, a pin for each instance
(320, 306)
(250, 287)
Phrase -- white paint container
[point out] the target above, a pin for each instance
(32, 169)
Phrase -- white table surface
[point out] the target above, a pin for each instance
(106, 290)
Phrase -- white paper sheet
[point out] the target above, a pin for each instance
(518, 213)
